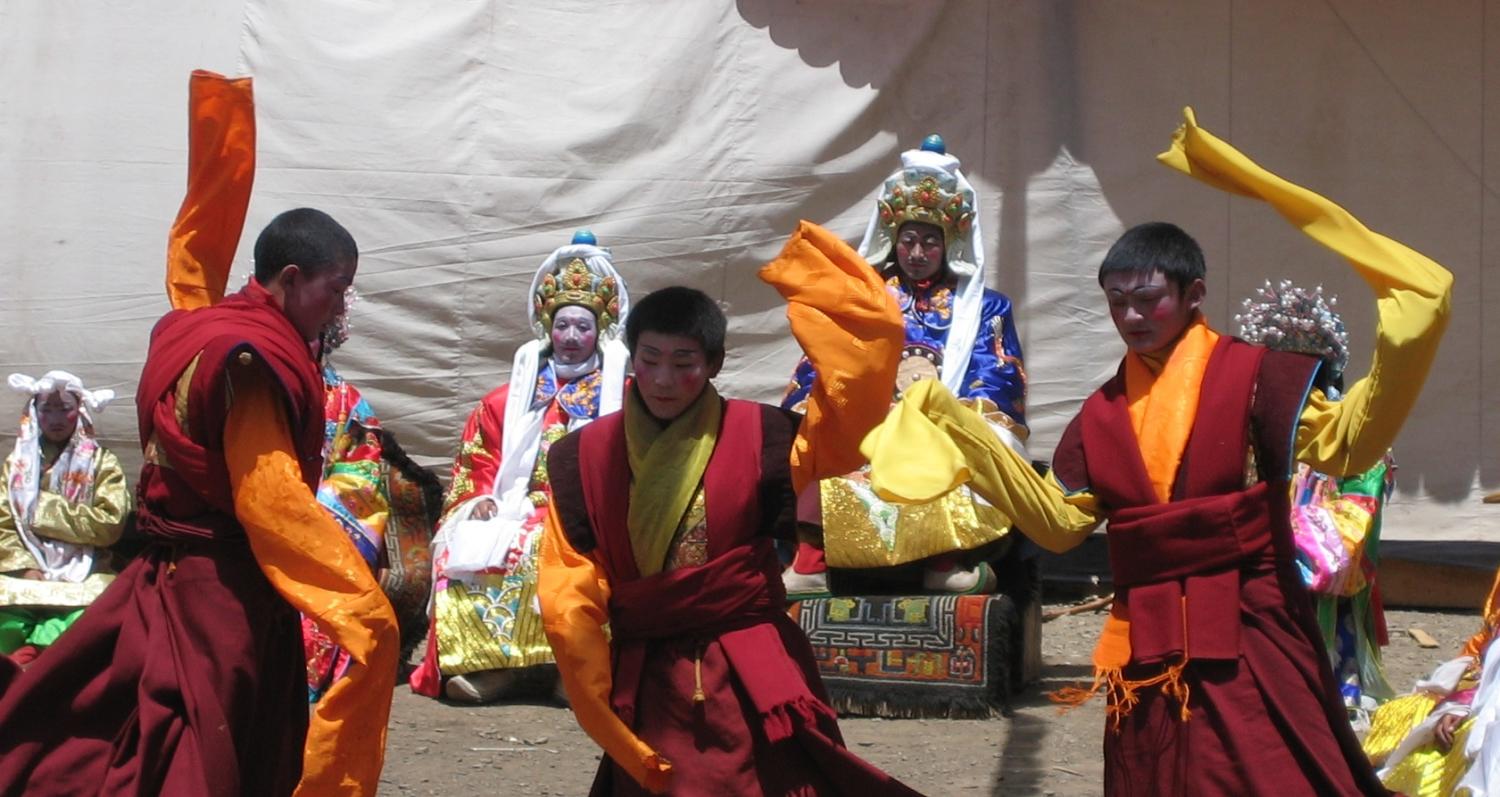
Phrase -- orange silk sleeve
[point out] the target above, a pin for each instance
(851, 330)
(575, 615)
(314, 565)
(221, 169)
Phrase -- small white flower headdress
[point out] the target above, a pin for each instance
(1288, 318)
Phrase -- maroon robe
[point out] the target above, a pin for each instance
(186, 677)
(1211, 575)
(764, 725)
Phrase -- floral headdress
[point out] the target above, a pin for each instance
(1288, 318)
(928, 193)
(580, 274)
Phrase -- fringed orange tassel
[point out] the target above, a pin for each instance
(1122, 695)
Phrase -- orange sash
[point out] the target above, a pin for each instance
(1163, 406)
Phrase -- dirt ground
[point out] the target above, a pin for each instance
(535, 749)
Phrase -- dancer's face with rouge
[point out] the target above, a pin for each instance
(1150, 311)
(671, 372)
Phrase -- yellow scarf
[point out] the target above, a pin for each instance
(666, 467)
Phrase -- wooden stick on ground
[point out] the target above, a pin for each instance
(1086, 606)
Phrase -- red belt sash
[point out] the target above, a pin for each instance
(1178, 569)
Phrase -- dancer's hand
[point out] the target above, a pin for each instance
(484, 510)
(1443, 733)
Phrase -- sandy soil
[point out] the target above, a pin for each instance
(536, 749)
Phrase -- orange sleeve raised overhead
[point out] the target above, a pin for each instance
(575, 613)
(852, 333)
(315, 567)
(221, 169)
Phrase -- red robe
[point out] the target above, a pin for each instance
(1211, 576)
(764, 725)
(186, 676)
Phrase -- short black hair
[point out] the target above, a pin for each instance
(678, 310)
(307, 237)
(1156, 246)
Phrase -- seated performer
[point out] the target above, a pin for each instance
(388, 518)
(187, 675)
(1441, 738)
(659, 578)
(924, 240)
(63, 500)
(1335, 522)
(1212, 661)
(485, 628)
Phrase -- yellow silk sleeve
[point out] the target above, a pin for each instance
(1412, 295)
(98, 522)
(574, 595)
(314, 565)
(852, 333)
(931, 443)
(13, 553)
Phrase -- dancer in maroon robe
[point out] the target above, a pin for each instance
(186, 676)
(663, 521)
(1211, 659)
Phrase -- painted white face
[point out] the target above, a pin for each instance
(575, 334)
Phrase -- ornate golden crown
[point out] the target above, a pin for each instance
(574, 283)
(929, 201)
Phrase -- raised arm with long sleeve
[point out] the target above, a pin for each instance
(1412, 295)
(931, 443)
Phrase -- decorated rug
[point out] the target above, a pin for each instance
(919, 656)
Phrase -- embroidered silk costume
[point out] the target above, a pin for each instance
(60, 505)
(484, 615)
(1212, 660)
(957, 330)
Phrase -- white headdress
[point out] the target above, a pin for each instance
(931, 188)
(71, 476)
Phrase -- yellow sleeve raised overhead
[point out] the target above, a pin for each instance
(1412, 295)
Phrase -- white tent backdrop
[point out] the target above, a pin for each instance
(462, 140)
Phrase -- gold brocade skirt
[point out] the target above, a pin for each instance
(31, 593)
(1426, 771)
(491, 623)
(862, 531)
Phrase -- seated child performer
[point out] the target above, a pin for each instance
(63, 500)
(572, 372)
(1335, 522)
(924, 240)
(1212, 660)
(660, 531)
